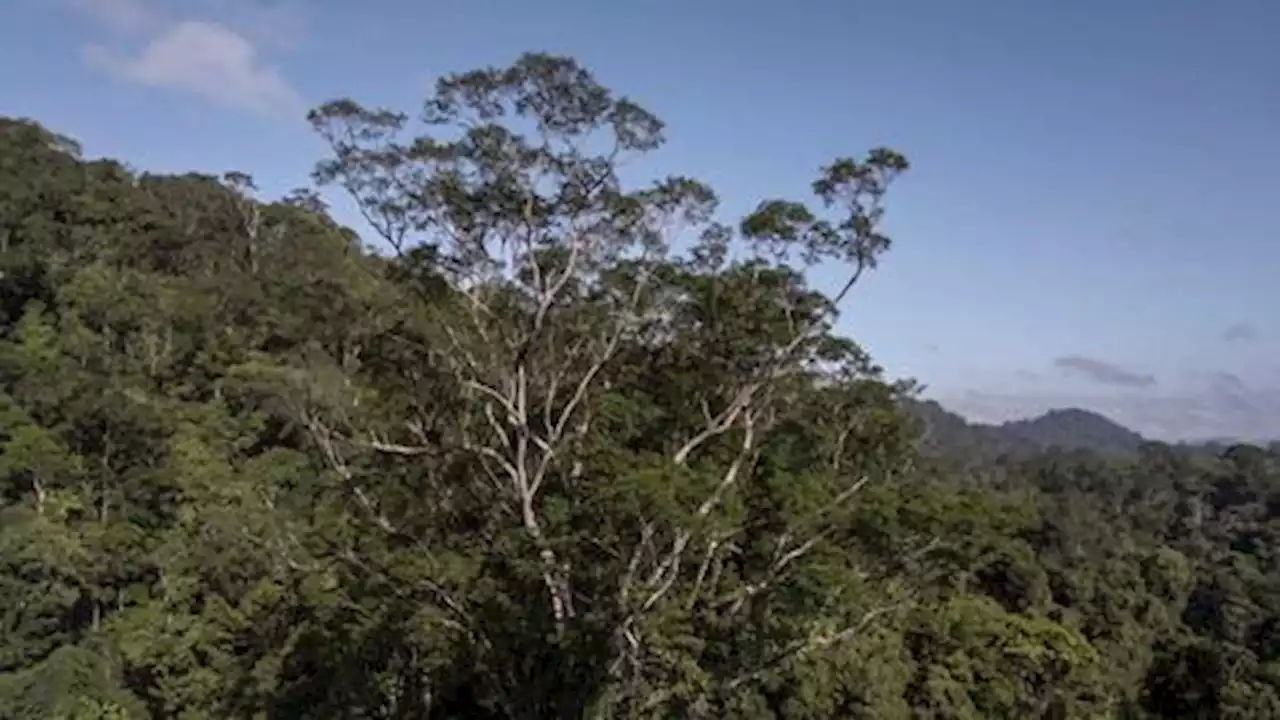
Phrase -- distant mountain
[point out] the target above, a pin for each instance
(1075, 429)
(1068, 429)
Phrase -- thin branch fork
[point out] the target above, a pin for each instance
(720, 423)
(324, 438)
(784, 558)
(712, 546)
(666, 572)
(816, 641)
(518, 435)
(466, 621)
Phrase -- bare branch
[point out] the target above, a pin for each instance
(814, 642)
(712, 547)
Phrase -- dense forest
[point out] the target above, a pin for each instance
(547, 443)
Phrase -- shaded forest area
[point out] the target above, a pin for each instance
(574, 449)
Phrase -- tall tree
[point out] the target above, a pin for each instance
(570, 312)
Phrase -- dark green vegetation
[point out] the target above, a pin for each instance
(575, 450)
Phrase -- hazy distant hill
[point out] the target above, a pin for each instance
(1075, 429)
(1068, 429)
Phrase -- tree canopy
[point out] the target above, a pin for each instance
(552, 443)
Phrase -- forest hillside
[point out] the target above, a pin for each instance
(563, 448)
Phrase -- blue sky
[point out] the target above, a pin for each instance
(1089, 220)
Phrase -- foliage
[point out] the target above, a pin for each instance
(573, 448)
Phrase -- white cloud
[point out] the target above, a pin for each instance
(215, 56)
(206, 59)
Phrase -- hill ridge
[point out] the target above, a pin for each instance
(1067, 428)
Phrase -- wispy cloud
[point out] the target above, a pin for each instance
(1240, 332)
(205, 59)
(214, 51)
(1104, 372)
